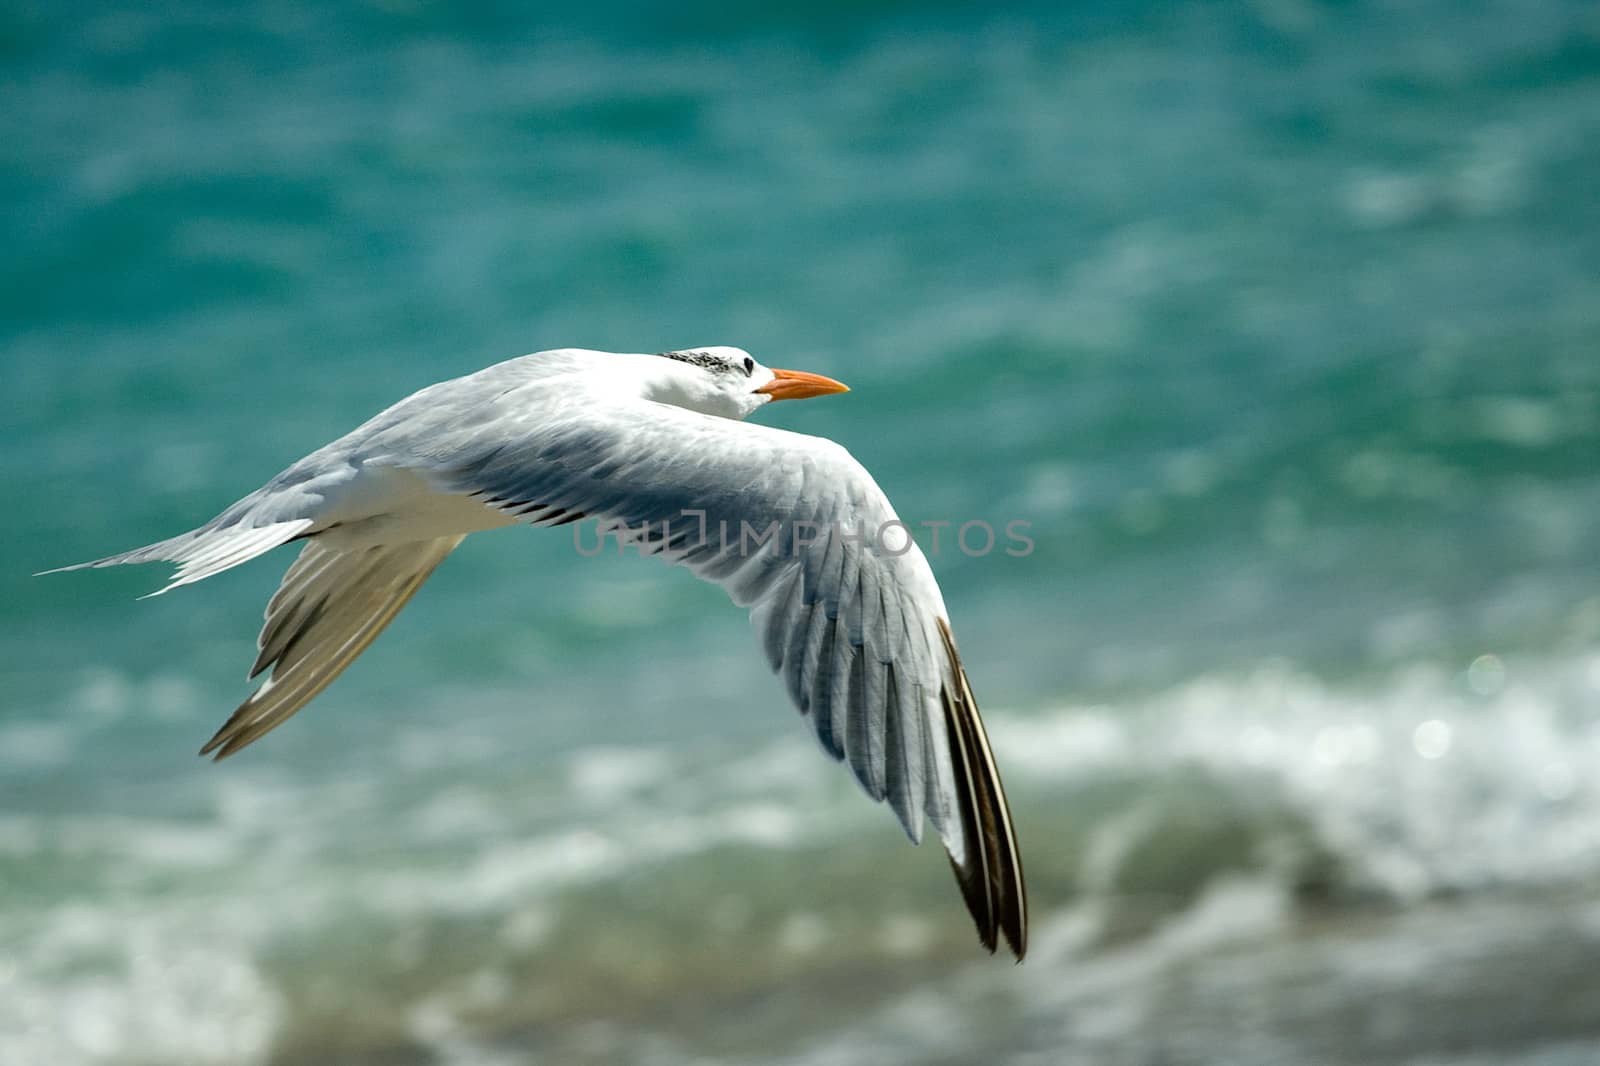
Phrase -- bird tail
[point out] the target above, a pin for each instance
(202, 552)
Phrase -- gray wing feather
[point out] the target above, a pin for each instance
(330, 605)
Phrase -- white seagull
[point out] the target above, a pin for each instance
(655, 448)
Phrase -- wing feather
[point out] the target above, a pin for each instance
(329, 607)
(991, 877)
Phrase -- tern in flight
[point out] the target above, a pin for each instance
(654, 447)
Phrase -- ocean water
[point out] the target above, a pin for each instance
(1279, 323)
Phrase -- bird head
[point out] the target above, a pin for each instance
(730, 383)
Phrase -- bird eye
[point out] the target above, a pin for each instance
(749, 366)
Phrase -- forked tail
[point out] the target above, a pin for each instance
(202, 552)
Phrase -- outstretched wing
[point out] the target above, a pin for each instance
(843, 602)
(330, 605)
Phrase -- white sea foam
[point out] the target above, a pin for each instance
(1429, 779)
(105, 983)
(1426, 780)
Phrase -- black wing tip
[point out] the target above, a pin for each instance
(991, 879)
(1015, 928)
(1009, 924)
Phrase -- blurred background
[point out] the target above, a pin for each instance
(1279, 321)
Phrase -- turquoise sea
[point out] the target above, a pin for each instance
(1279, 322)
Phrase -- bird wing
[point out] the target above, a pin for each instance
(330, 605)
(844, 603)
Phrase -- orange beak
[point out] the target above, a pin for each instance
(798, 385)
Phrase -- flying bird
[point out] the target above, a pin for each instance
(656, 449)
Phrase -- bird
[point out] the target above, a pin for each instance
(655, 448)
